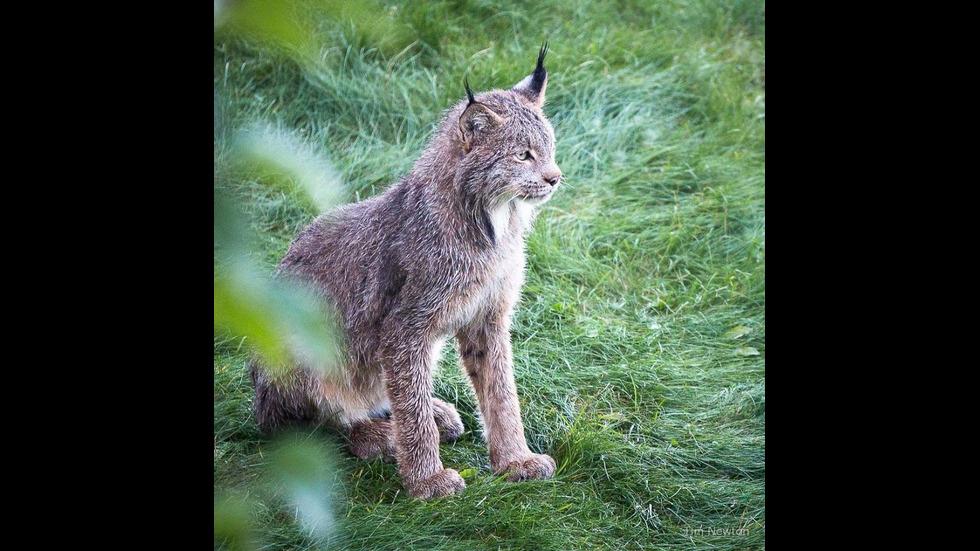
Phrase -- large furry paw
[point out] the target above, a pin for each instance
(447, 419)
(372, 438)
(533, 467)
(446, 482)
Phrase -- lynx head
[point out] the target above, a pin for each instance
(507, 143)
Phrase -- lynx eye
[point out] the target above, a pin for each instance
(526, 156)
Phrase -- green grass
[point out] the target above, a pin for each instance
(640, 341)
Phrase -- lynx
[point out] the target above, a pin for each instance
(439, 254)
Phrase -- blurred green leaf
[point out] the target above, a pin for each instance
(282, 321)
(272, 20)
(305, 475)
(281, 156)
(232, 523)
(746, 351)
(292, 25)
(243, 307)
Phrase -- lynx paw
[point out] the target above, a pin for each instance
(534, 467)
(444, 483)
(447, 419)
(372, 438)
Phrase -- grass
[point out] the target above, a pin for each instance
(640, 341)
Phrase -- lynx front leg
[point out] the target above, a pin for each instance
(487, 359)
(408, 374)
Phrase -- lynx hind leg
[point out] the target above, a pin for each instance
(281, 405)
(371, 438)
(447, 419)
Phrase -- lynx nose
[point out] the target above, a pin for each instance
(552, 178)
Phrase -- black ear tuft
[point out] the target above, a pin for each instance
(540, 73)
(469, 93)
(533, 85)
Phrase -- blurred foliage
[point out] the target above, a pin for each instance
(233, 522)
(281, 158)
(291, 25)
(300, 476)
(304, 474)
(280, 320)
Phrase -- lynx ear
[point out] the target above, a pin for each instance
(534, 85)
(476, 120)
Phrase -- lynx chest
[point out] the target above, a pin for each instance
(495, 289)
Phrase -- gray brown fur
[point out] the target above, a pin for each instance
(439, 254)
